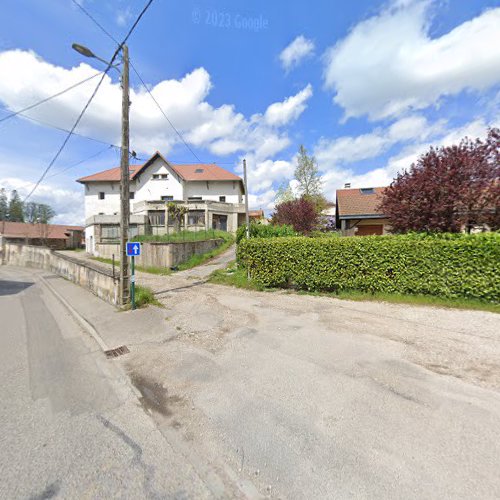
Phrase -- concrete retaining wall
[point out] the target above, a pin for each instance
(97, 280)
(157, 254)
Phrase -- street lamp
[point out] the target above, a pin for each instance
(124, 166)
(85, 51)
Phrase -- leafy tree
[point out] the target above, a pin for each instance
(307, 174)
(301, 214)
(177, 213)
(45, 213)
(284, 193)
(16, 208)
(38, 213)
(448, 188)
(4, 205)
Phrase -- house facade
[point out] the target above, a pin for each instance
(358, 213)
(213, 198)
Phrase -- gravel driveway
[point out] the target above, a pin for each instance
(312, 397)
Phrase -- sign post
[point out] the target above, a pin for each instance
(133, 250)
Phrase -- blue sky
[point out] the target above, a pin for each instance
(366, 86)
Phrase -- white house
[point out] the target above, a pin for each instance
(214, 197)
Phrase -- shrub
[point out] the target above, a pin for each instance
(301, 214)
(264, 231)
(457, 266)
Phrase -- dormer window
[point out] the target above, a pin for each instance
(198, 171)
(367, 191)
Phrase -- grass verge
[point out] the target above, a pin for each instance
(237, 277)
(198, 259)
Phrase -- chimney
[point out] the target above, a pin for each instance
(347, 185)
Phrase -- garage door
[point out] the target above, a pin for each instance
(369, 230)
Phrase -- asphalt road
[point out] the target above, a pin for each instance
(71, 425)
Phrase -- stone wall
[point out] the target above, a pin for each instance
(158, 254)
(97, 280)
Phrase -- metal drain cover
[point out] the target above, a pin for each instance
(117, 351)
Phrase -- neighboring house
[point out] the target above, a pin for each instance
(55, 236)
(358, 213)
(212, 195)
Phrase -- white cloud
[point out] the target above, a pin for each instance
(67, 203)
(350, 149)
(123, 17)
(281, 113)
(296, 52)
(336, 175)
(389, 64)
(221, 130)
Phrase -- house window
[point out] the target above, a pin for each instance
(367, 191)
(194, 198)
(156, 218)
(158, 177)
(222, 198)
(132, 195)
(101, 195)
(110, 232)
(198, 171)
(196, 218)
(167, 198)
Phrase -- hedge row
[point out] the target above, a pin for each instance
(465, 266)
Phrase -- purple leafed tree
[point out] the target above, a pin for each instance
(448, 189)
(301, 214)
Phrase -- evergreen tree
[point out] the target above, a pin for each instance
(16, 208)
(4, 205)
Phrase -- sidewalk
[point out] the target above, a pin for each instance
(177, 280)
(115, 327)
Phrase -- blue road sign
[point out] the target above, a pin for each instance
(133, 249)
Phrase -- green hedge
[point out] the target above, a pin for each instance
(458, 266)
(265, 231)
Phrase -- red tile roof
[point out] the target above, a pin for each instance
(204, 172)
(355, 202)
(112, 174)
(27, 230)
(195, 172)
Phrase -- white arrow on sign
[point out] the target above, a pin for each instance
(136, 249)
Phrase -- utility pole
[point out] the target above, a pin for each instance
(124, 182)
(247, 216)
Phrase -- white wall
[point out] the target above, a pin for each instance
(148, 189)
(108, 206)
(231, 190)
(90, 239)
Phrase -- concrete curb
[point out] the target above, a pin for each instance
(78, 317)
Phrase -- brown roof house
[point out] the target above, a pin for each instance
(55, 236)
(357, 211)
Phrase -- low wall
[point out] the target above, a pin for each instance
(158, 254)
(97, 280)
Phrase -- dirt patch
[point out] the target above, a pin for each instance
(154, 396)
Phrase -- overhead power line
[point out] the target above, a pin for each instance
(27, 108)
(87, 104)
(95, 21)
(81, 161)
(56, 127)
(109, 35)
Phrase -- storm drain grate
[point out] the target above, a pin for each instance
(117, 351)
